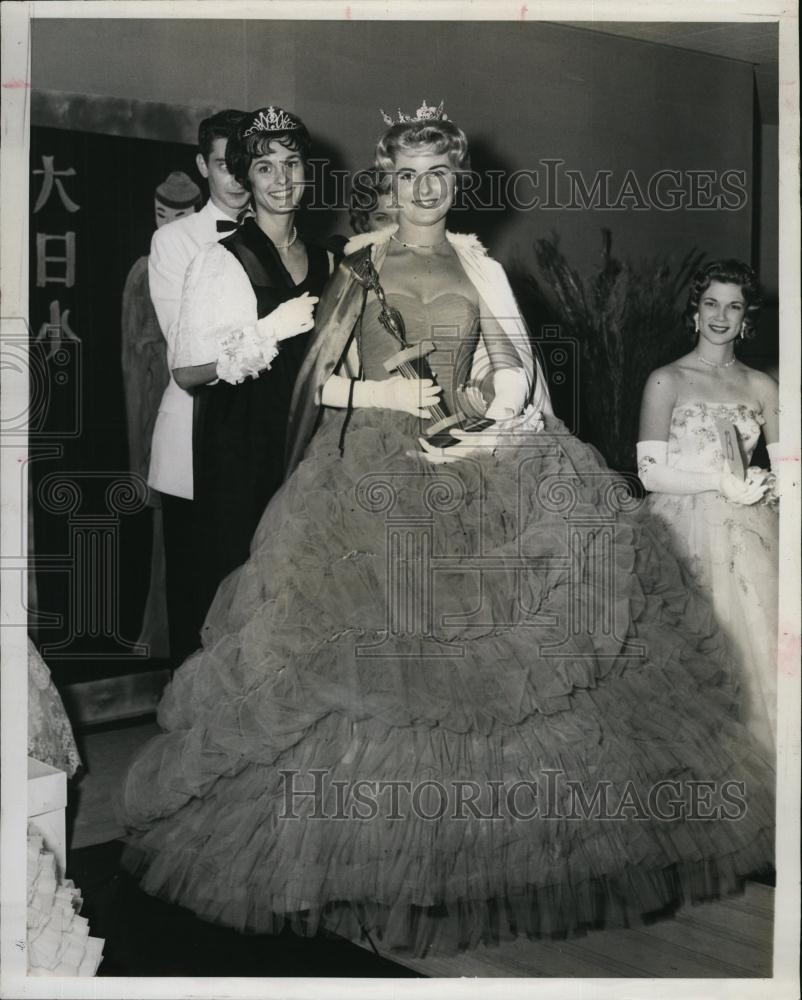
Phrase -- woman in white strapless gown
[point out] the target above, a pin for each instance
(723, 527)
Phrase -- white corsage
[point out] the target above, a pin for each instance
(245, 353)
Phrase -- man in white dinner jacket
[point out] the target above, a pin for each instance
(172, 249)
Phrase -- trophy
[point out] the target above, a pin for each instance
(411, 362)
(730, 446)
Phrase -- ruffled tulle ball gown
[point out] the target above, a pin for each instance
(508, 630)
(730, 550)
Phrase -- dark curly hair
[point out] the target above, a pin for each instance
(223, 125)
(243, 149)
(728, 272)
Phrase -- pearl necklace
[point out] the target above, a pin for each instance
(419, 246)
(712, 364)
(286, 246)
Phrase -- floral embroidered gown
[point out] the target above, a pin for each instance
(731, 551)
(58, 938)
(431, 626)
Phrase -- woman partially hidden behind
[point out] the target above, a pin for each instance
(407, 718)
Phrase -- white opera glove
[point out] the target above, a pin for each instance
(772, 496)
(774, 451)
(408, 395)
(658, 476)
(511, 391)
(248, 351)
(744, 491)
(290, 318)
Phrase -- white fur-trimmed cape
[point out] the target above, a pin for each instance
(466, 241)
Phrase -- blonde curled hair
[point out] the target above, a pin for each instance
(442, 137)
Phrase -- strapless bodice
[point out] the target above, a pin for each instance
(694, 441)
(450, 321)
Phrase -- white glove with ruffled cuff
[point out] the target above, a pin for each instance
(247, 352)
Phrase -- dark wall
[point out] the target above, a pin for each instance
(769, 243)
(78, 443)
(113, 184)
(523, 91)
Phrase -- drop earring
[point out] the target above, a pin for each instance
(696, 322)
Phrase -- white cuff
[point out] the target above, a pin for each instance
(245, 353)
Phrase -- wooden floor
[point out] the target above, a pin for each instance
(731, 938)
(104, 754)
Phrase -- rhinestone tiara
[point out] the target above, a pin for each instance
(272, 120)
(425, 113)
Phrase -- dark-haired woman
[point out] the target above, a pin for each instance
(444, 706)
(246, 313)
(723, 525)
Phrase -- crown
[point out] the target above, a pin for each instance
(272, 120)
(425, 113)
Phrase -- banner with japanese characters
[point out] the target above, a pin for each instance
(91, 219)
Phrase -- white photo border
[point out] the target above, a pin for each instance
(14, 178)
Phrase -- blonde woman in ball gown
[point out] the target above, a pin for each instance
(496, 682)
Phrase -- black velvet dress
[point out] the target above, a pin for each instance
(240, 430)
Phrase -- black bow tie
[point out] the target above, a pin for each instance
(226, 226)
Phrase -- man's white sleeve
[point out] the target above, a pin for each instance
(170, 256)
(217, 301)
